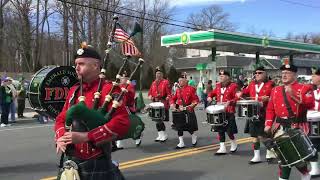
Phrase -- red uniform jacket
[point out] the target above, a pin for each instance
(128, 99)
(160, 91)
(118, 126)
(229, 95)
(277, 107)
(317, 99)
(188, 94)
(253, 90)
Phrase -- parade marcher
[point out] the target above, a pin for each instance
(259, 89)
(129, 102)
(21, 99)
(183, 101)
(160, 91)
(225, 93)
(6, 100)
(287, 106)
(315, 171)
(94, 162)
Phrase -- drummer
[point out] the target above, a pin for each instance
(185, 99)
(287, 106)
(315, 171)
(225, 93)
(160, 91)
(258, 90)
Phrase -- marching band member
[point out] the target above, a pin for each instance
(287, 105)
(225, 93)
(259, 90)
(93, 163)
(315, 171)
(160, 91)
(129, 102)
(184, 100)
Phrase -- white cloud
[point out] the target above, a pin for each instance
(202, 2)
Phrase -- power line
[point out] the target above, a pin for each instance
(132, 16)
(300, 4)
(141, 12)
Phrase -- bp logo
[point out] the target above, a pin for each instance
(65, 80)
(184, 39)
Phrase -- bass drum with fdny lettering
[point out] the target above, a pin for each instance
(49, 88)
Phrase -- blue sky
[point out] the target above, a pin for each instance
(277, 16)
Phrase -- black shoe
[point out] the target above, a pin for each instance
(234, 150)
(219, 154)
(162, 141)
(156, 140)
(272, 160)
(195, 144)
(137, 145)
(177, 147)
(253, 162)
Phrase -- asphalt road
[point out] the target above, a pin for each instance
(27, 152)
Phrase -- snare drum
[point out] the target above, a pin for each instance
(293, 147)
(313, 118)
(248, 109)
(216, 115)
(157, 111)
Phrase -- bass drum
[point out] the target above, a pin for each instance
(49, 88)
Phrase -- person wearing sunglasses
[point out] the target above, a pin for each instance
(259, 89)
(286, 112)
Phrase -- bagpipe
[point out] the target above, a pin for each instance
(88, 119)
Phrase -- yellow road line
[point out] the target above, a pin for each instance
(216, 146)
(168, 156)
(177, 152)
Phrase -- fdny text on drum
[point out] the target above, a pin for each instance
(56, 93)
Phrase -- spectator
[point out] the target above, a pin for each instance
(207, 89)
(21, 91)
(191, 82)
(6, 100)
(13, 105)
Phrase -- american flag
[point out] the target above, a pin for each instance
(128, 46)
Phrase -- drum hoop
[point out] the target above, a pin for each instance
(29, 88)
(247, 102)
(302, 159)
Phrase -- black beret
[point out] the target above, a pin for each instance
(315, 71)
(158, 69)
(260, 68)
(289, 67)
(223, 72)
(87, 51)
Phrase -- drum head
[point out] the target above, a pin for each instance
(156, 104)
(313, 116)
(49, 88)
(247, 102)
(214, 109)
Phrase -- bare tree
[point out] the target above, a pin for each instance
(2, 5)
(212, 17)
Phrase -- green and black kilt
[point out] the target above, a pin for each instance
(185, 121)
(255, 127)
(97, 169)
(230, 128)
